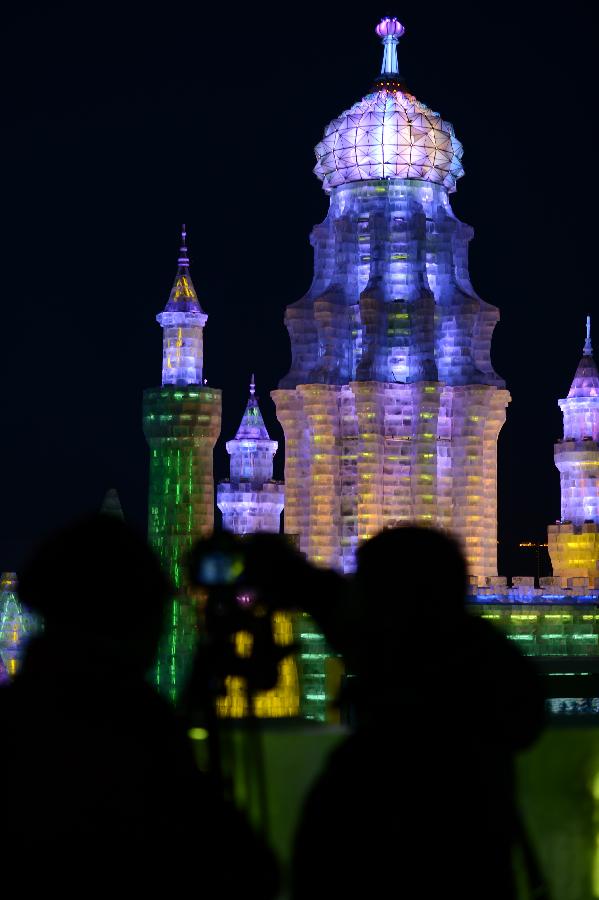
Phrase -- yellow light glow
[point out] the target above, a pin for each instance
(283, 700)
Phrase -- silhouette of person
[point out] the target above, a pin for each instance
(420, 800)
(100, 790)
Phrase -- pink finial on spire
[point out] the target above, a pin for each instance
(183, 257)
(390, 30)
(388, 27)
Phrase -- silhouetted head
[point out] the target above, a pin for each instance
(410, 594)
(412, 565)
(97, 584)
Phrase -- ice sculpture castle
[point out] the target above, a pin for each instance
(391, 409)
(391, 413)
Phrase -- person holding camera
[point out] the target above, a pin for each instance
(100, 788)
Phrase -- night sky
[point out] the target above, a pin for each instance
(122, 121)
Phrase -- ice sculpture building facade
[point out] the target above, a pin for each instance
(391, 409)
(574, 540)
(181, 421)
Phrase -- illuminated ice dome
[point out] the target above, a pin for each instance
(389, 133)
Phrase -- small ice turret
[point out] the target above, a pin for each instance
(183, 323)
(574, 540)
(250, 500)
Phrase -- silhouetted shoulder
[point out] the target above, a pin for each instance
(511, 694)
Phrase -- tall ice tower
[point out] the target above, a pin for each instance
(574, 541)
(391, 409)
(181, 423)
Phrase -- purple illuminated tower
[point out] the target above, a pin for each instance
(251, 501)
(391, 409)
(574, 541)
(181, 424)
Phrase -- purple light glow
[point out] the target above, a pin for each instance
(390, 27)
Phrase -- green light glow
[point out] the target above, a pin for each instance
(181, 507)
(563, 631)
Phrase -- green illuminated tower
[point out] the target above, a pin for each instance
(181, 423)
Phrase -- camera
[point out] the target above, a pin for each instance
(219, 568)
(232, 606)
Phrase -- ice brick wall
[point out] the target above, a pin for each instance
(370, 455)
(181, 426)
(391, 409)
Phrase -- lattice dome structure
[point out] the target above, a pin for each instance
(389, 134)
(574, 540)
(181, 421)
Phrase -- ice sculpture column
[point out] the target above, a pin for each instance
(181, 422)
(574, 541)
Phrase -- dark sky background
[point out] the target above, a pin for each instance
(121, 121)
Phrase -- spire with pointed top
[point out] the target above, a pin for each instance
(252, 425)
(183, 257)
(588, 349)
(183, 295)
(586, 380)
(183, 322)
